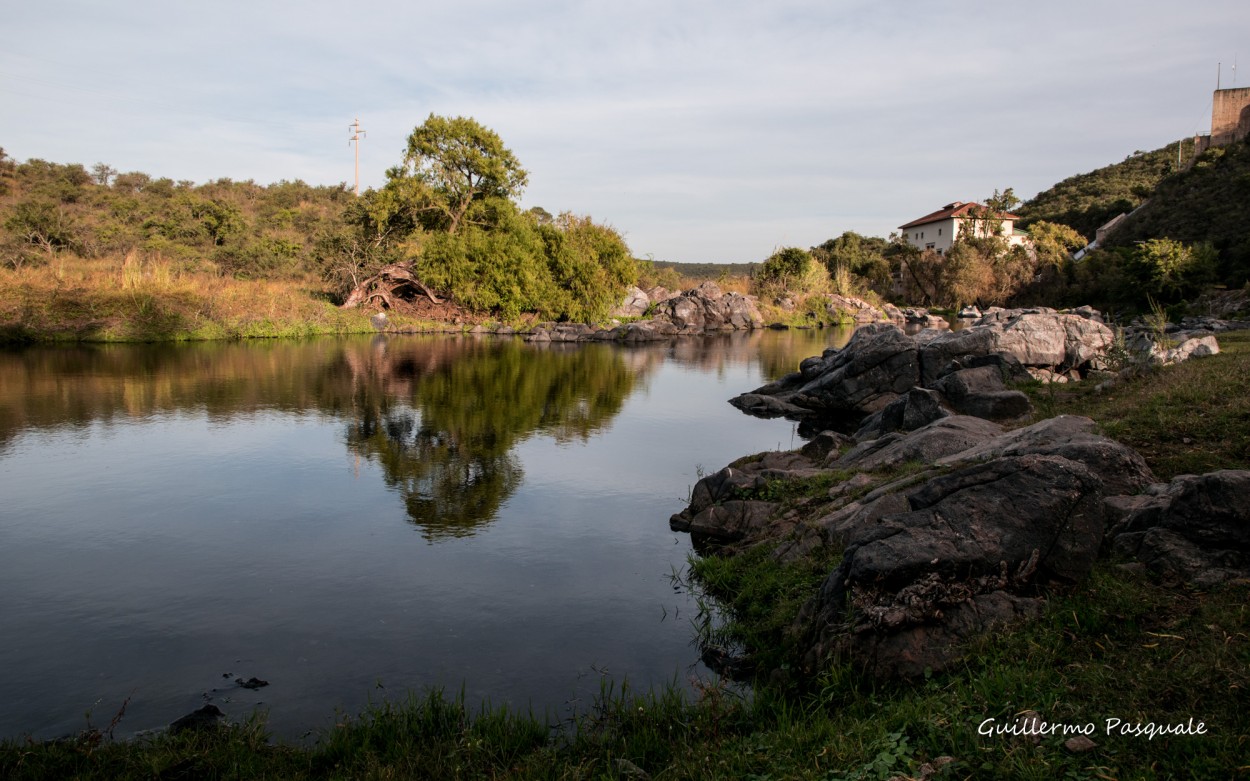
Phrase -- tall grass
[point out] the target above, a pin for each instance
(152, 298)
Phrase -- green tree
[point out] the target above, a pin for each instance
(1169, 270)
(451, 163)
(862, 258)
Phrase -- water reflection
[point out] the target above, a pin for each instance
(444, 431)
(334, 513)
(440, 416)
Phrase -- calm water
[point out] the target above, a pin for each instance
(354, 519)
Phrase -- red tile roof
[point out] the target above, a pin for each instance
(956, 209)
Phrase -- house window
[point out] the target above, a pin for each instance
(939, 231)
(930, 245)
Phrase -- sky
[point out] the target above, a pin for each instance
(702, 131)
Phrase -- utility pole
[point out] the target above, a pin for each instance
(355, 137)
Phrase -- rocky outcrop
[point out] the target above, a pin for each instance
(850, 308)
(947, 525)
(1195, 529)
(958, 527)
(975, 543)
(635, 303)
(708, 308)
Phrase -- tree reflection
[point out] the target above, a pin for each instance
(443, 431)
(441, 416)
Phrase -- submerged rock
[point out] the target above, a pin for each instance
(203, 718)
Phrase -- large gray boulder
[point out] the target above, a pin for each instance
(925, 567)
(877, 365)
(942, 437)
(1041, 338)
(1195, 529)
(634, 304)
(969, 368)
(708, 308)
(1121, 469)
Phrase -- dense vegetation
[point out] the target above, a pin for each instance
(447, 215)
(50, 211)
(1208, 204)
(1087, 201)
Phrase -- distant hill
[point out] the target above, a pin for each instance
(1210, 202)
(708, 270)
(1087, 201)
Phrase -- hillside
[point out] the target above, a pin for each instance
(1208, 203)
(1087, 201)
(240, 229)
(707, 270)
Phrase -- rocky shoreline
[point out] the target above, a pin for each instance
(946, 515)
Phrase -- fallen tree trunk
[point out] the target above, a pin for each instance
(391, 282)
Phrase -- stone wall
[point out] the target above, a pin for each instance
(1230, 115)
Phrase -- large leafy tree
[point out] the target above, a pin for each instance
(450, 164)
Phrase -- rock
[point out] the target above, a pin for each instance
(851, 308)
(1034, 337)
(927, 444)
(877, 365)
(708, 308)
(1193, 347)
(824, 444)
(1121, 469)
(727, 522)
(1089, 313)
(204, 718)
(252, 683)
(1195, 529)
(970, 312)
(918, 407)
(930, 565)
(1079, 744)
(766, 406)
(980, 392)
(634, 304)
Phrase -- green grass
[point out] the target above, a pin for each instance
(1190, 418)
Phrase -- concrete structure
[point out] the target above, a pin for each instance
(1230, 115)
(1230, 119)
(938, 231)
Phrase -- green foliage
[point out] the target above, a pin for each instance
(1054, 243)
(1086, 201)
(47, 209)
(451, 163)
(711, 271)
(790, 271)
(856, 263)
(39, 224)
(1170, 270)
(1207, 204)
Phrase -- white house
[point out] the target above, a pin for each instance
(938, 231)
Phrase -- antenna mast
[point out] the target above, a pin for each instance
(355, 137)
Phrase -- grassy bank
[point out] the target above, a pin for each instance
(1119, 647)
(134, 300)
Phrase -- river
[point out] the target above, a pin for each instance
(355, 519)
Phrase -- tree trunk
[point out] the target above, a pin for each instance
(391, 282)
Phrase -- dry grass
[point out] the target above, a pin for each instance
(152, 298)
